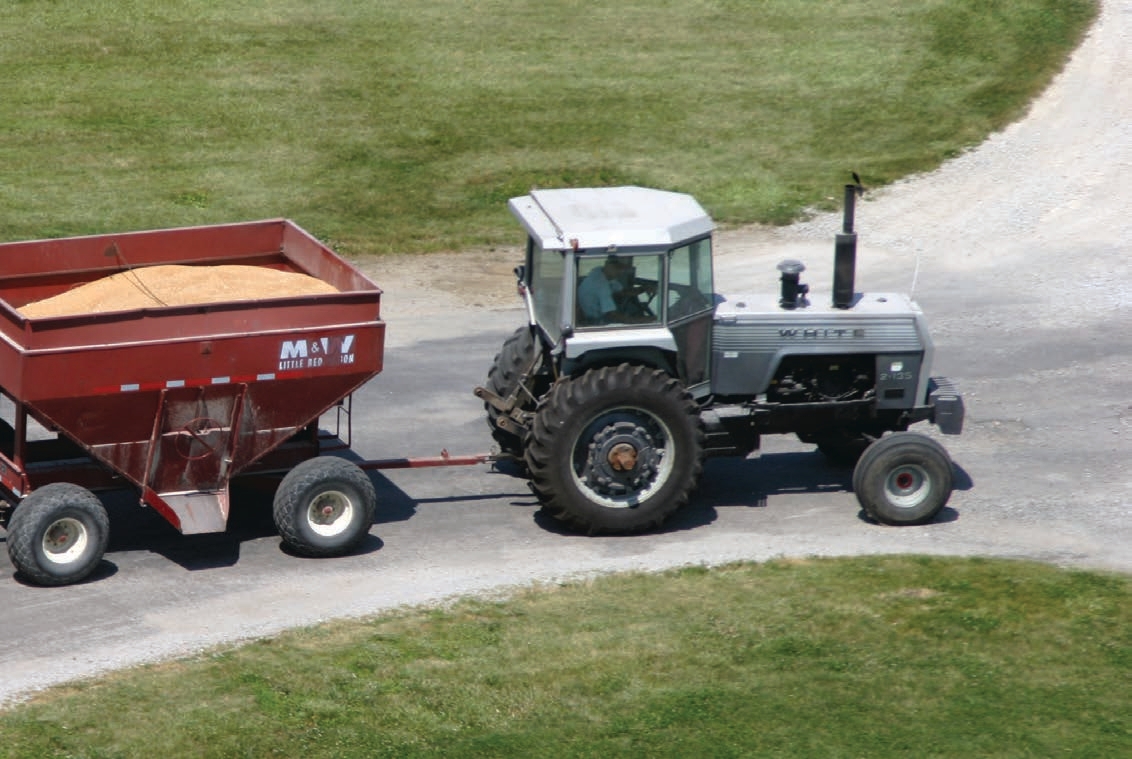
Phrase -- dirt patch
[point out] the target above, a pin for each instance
(420, 283)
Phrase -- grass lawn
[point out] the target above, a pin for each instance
(865, 657)
(406, 126)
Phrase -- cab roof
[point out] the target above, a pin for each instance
(600, 217)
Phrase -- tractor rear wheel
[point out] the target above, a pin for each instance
(903, 479)
(58, 534)
(324, 507)
(507, 369)
(615, 450)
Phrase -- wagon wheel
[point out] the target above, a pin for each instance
(58, 534)
(903, 479)
(324, 507)
(616, 450)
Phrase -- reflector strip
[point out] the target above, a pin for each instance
(134, 387)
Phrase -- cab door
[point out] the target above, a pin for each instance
(689, 310)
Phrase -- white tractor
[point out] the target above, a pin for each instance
(632, 368)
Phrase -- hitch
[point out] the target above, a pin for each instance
(512, 417)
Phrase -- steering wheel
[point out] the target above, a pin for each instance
(632, 305)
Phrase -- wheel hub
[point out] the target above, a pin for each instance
(330, 513)
(64, 541)
(908, 485)
(623, 458)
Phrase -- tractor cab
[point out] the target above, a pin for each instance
(620, 271)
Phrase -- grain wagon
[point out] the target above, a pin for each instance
(177, 400)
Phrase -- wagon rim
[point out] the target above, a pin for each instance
(330, 513)
(65, 541)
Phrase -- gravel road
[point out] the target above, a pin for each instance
(1018, 253)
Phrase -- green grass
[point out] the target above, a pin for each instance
(865, 657)
(406, 126)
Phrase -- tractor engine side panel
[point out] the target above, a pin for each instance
(752, 337)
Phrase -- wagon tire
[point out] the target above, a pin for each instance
(903, 479)
(58, 534)
(615, 450)
(324, 507)
(506, 370)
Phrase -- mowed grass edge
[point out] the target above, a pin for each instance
(405, 127)
(875, 656)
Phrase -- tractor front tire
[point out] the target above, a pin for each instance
(514, 357)
(903, 479)
(615, 450)
(324, 507)
(58, 534)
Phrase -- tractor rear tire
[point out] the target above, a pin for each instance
(506, 370)
(615, 450)
(324, 507)
(903, 479)
(58, 534)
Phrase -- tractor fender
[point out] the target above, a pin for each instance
(651, 356)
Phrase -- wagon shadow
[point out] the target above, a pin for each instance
(135, 528)
(102, 571)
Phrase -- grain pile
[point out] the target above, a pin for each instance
(176, 285)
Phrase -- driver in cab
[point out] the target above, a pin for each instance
(603, 295)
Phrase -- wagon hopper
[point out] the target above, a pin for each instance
(176, 400)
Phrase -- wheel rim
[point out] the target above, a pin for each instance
(330, 513)
(908, 486)
(65, 541)
(621, 457)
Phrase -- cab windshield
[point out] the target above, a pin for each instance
(616, 289)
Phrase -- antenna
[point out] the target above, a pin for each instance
(915, 272)
(557, 229)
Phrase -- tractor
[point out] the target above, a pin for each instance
(632, 368)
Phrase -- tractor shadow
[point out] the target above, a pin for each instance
(729, 483)
(750, 483)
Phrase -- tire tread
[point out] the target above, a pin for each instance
(548, 453)
(288, 511)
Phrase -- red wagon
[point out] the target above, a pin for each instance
(176, 401)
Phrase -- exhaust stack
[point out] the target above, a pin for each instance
(845, 250)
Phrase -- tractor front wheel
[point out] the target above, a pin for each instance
(903, 479)
(58, 534)
(615, 450)
(324, 507)
(516, 355)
